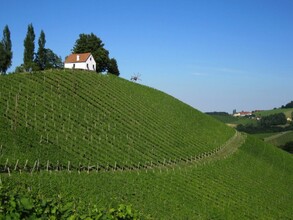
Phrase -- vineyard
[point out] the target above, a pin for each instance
(80, 119)
(99, 140)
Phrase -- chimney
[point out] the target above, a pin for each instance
(77, 58)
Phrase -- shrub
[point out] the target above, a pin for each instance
(28, 205)
(275, 119)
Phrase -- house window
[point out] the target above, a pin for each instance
(94, 67)
(87, 66)
(73, 67)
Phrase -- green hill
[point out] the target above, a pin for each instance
(96, 139)
(86, 118)
(286, 111)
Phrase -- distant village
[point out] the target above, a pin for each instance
(246, 114)
(251, 115)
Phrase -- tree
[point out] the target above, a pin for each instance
(29, 49)
(288, 147)
(91, 43)
(113, 67)
(45, 57)
(52, 60)
(275, 119)
(41, 54)
(2, 58)
(288, 105)
(19, 69)
(5, 50)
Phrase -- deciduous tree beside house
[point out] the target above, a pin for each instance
(113, 67)
(45, 57)
(90, 43)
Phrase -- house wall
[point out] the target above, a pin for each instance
(90, 64)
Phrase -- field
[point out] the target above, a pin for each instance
(280, 139)
(102, 140)
(255, 183)
(100, 121)
(229, 119)
(286, 111)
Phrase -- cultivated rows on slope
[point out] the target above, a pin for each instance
(253, 183)
(74, 118)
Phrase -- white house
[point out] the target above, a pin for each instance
(83, 61)
(242, 114)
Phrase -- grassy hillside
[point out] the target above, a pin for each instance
(286, 111)
(253, 183)
(283, 140)
(79, 118)
(229, 119)
(102, 140)
(280, 139)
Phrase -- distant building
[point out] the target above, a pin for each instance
(84, 61)
(242, 114)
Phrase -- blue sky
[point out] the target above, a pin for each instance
(215, 55)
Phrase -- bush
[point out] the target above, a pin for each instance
(275, 119)
(288, 147)
(16, 204)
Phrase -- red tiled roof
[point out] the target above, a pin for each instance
(245, 113)
(72, 58)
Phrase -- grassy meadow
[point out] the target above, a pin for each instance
(286, 111)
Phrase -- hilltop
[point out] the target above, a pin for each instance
(102, 140)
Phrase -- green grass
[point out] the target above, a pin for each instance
(225, 118)
(245, 121)
(278, 138)
(262, 136)
(282, 139)
(103, 140)
(229, 119)
(286, 111)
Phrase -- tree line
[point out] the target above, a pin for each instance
(45, 58)
(288, 105)
(271, 123)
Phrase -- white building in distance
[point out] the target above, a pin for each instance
(84, 61)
